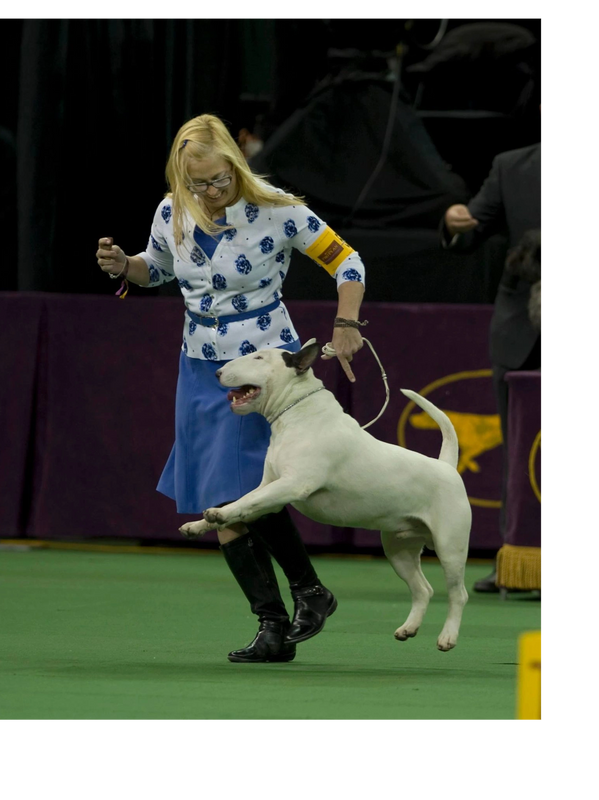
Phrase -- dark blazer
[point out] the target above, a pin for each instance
(510, 201)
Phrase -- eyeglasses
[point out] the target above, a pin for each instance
(220, 183)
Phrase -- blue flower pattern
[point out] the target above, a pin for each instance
(242, 265)
(352, 275)
(206, 303)
(289, 228)
(267, 245)
(197, 256)
(240, 303)
(263, 321)
(209, 352)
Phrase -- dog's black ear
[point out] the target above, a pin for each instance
(304, 358)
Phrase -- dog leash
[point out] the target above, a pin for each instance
(328, 350)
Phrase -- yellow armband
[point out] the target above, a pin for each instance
(329, 250)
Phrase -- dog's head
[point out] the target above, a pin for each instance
(256, 380)
(524, 260)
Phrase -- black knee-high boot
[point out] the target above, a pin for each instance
(250, 563)
(313, 602)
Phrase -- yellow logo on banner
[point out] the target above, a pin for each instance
(529, 675)
(534, 450)
(477, 433)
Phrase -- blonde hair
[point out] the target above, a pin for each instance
(198, 138)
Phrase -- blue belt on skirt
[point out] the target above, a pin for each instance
(214, 322)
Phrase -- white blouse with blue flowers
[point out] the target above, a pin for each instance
(245, 273)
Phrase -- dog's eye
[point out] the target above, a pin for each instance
(258, 357)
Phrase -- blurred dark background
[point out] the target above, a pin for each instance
(90, 108)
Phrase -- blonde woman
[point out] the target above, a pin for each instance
(226, 236)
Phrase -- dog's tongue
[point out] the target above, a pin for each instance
(235, 394)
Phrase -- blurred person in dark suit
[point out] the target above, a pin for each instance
(524, 261)
(509, 201)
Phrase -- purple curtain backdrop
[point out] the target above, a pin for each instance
(523, 512)
(88, 387)
(22, 354)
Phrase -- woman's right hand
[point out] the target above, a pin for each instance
(459, 220)
(110, 256)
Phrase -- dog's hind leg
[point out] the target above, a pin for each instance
(451, 547)
(403, 551)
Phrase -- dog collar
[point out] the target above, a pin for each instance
(295, 403)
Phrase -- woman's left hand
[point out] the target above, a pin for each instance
(346, 342)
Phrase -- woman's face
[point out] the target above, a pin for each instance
(203, 173)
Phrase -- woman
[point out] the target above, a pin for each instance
(226, 235)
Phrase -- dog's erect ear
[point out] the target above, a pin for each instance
(302, 360)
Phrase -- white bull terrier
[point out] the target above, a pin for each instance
(321, 462)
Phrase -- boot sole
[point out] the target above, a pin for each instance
(238, 660)
(309, 635)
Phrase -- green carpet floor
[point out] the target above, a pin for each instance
(126, 636)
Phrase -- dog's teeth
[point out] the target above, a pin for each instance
(245, 395)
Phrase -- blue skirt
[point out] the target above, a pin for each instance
(218, 456)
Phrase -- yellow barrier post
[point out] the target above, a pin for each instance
(529, 675)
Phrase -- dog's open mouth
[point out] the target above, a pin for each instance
(245, 394)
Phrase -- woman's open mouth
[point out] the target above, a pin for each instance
(245, 394)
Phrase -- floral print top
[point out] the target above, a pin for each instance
(245, 273)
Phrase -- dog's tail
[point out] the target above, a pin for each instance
(450, 447)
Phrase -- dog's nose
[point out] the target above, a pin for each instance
(218, 373)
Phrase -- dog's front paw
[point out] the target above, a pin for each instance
(215, 516)
(193, 529)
